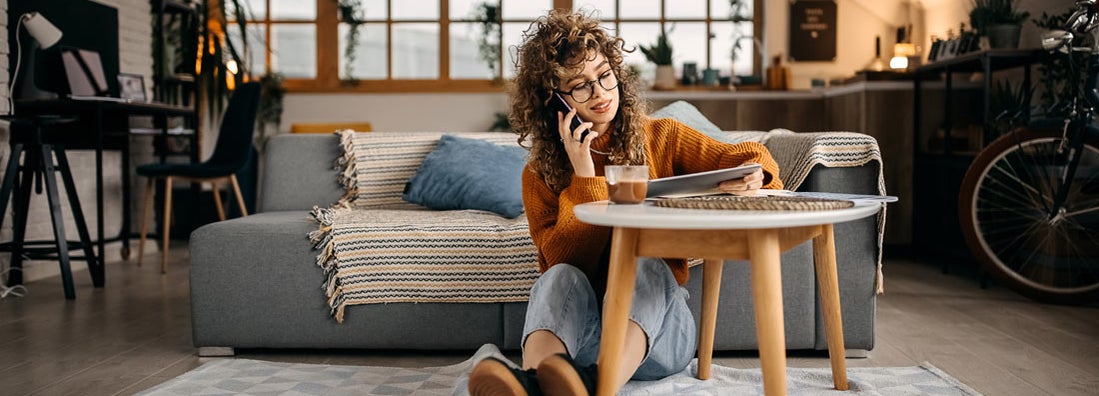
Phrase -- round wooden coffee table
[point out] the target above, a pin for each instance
(760, 237)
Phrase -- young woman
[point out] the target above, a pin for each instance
(569, 55)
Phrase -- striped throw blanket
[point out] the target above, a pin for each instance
(376, 248)
(797, 154)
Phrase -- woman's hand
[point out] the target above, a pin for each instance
(578, 151)
(746, 186)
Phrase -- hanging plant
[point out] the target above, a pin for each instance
(488, 43)
(738, 13)
(352, 13)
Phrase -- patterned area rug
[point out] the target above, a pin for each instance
(254, 377)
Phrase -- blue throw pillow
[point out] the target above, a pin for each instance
(464, 173)
(689, 115)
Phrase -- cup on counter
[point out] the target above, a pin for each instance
(626, 184)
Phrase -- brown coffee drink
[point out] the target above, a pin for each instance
(627, 192)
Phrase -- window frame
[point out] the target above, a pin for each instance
(328, 50)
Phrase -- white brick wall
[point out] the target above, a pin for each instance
(135, 43)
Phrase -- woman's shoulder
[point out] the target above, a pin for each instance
(661, 128)
(661, 124)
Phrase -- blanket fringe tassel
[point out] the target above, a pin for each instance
(326, 259)
(346, 164)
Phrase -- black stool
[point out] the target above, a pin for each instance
(27, 142)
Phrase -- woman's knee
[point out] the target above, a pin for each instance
(560, 276)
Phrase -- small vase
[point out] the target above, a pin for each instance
(665, 77)
(1004, 36)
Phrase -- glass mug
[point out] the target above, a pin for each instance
(626, 184)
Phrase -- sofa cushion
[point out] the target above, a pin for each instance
(463, 173)
(689, 115)
(375, 166)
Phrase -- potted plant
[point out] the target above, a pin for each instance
(661, 54)
(999, 20)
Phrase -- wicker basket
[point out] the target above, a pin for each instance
(732, 202)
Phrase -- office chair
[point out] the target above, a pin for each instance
(233, 147)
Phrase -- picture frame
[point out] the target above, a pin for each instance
(132, 87)
(933, 53)
(949, 49)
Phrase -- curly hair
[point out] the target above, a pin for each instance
(552, 49)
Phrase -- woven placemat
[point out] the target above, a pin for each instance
(733, 202)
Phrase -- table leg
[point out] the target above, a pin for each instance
(100, 233)
(764, 250)
(824, 259)
(54, 199)
(616, 308)
(711, 291)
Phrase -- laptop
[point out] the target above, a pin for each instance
(85, 76)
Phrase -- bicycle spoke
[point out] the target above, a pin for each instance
(1020, 198)
(1011, 173)
(1082, 211)
(1029, 169)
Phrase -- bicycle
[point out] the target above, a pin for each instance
(1029, 206)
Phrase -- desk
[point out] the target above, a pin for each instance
(94, 112)
(715, 235)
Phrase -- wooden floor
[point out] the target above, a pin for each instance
(135, 333)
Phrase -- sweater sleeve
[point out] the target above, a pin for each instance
(694, 152)
(558, 235)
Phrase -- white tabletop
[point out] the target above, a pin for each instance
(647, 215)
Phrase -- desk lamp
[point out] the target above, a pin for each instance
(45, 35)
(901, 52)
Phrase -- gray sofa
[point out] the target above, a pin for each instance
(254, 282)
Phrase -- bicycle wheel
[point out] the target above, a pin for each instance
(1005, 216)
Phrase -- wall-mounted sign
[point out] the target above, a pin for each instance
(812, 30)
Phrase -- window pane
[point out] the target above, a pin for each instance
(637, 33)
(513, 32)
(293, 10)
(721, 48)
(694, 9)
(416, 50)
(295, 50)
(416, 9)
(375, 10)
(744, 64)
(370, 61)
(641, 9)
(256, 48)
(721, 54)
(465, 54)
(256, 9)
(526, 9)
(604, 8)
(688, 41)
(463, 9)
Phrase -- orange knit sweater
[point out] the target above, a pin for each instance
(672, 148)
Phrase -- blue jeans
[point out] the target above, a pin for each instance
(563, 302)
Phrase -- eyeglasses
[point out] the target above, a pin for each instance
(583, 92)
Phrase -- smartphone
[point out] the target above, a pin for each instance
(562, 105)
